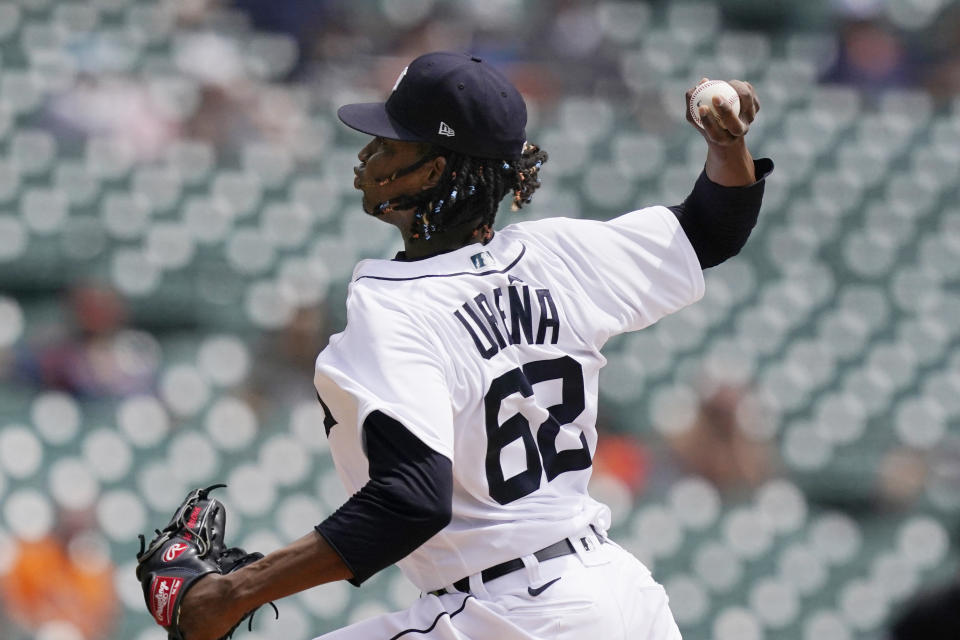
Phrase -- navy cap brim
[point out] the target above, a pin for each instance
(372, 118)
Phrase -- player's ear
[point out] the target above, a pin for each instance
(434, 172)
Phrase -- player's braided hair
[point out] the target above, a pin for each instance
(471, 188)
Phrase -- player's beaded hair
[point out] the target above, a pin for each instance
(471, 188)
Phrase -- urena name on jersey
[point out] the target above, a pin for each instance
(521, 310)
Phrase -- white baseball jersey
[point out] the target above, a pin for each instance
(490, 354)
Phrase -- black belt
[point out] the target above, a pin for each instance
(556, 550)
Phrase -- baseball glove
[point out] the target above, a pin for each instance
(187, 549)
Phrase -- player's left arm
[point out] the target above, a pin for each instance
(405, 503)
(723, 207)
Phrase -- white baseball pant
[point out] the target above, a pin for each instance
(602, 591)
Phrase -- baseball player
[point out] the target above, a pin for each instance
(461, 398)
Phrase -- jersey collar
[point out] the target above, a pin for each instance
(497, 256)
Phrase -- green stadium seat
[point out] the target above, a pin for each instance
(805, 447)
(239, 191)
(133, 274)
(835, 537)
(826, 624)
(108, 158)
(184, 390)
(840, 417)
(231, 424)
(286, 462)
(192, 457)
(169, 245)
(844, 331)
(28, 513)
(21, 452)
(206, 219)
(224, 360)
(270, 56)
(10, 19)
(73, 178)
(267, 305)
(75, 17)
(326, 602)
(122, 515)
(923, 542)
(802, 568)
(862, 605)
(161, 186)
(250, 251)
(33, 151)
(22, 90)
(943, 387)
(885, 134)
(623, 23)
(11, 320)
(689, 599)
(44, 210)
(658, 530)
(56, 417)
(916, 288)
(193, 159)
(695, 503)
(107, 454)
(320, 195)
(72, 484)
(124, 216)
(297, 514)
(156, 21)
(694, 23)
(271, 163)
(287, 225)
(750, 49)
(736, 622)
(143, 420)
(775, 603)
(251, 490)
(747, 533)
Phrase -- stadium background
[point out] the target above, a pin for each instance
(178, 224)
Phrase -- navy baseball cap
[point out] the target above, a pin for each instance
(453, 100)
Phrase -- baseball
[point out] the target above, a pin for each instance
(704, 93)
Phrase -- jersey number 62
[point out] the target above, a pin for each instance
(541, 453)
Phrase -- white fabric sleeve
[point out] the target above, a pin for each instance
(634, 269)
(387, 362)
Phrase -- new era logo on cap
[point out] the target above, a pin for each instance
(445, 129)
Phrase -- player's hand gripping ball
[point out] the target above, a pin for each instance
(722, 111)
(704, 93)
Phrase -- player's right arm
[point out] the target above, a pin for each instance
(648, 263)
(723, 207)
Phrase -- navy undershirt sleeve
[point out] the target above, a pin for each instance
(407, 500)
(718, 219)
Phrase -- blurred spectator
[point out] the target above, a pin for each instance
(66, 577)
(622, 456)
(872, 56)
(91, 353)
(722, 445)
(298, 18)
(902, 476)
(282, 371)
